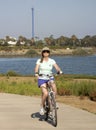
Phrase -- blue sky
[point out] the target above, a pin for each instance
(52, 17)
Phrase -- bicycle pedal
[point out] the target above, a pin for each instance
(50, 113)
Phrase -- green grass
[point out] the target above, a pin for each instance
(66, 85)
(22, 88)
(76, 86)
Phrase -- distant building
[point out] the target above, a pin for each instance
(12, 43)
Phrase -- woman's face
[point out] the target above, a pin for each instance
(45, 53)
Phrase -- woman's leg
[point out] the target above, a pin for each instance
(43, 98)
(44, 94)
(53, 86)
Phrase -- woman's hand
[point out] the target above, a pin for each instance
(36, 75)
(60, 72)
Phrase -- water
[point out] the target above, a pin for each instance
(68, 64)
(78, 64)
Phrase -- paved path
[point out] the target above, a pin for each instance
(16, 114)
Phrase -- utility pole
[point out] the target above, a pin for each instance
(32, 23)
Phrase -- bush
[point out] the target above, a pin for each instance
(31, 53)
(11, 73)
(75, 87)
(92, 95)
(80, 51)
(63, 92)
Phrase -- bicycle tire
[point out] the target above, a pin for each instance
(47, 109)
(54, 111)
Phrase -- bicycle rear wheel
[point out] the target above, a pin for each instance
(54, 111)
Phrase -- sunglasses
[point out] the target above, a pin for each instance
(46, 51)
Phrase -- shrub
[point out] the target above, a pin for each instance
(63, 89)
(80, 51)
(60, 91)
(31, 53)
(11, 73)
(75, 87)
(92, 95)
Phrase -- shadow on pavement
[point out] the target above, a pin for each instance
(40, 117)
(37, 115)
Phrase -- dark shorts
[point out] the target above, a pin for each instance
(42, 81)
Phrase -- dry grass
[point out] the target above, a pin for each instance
(16, 79)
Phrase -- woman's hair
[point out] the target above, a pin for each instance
(41, 59)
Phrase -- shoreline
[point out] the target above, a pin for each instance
(54, 52)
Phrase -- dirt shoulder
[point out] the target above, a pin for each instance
(83, 103)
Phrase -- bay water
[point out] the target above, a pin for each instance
(68, 64)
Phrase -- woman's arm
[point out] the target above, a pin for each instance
(58, 69)
(36, 70)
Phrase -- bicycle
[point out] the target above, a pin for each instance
(50, 106)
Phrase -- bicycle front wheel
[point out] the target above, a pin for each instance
(54, 111)
(47, 109)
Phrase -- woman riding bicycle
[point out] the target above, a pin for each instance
(43, 70)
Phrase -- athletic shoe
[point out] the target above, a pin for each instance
(57, 106)
(42, 111)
